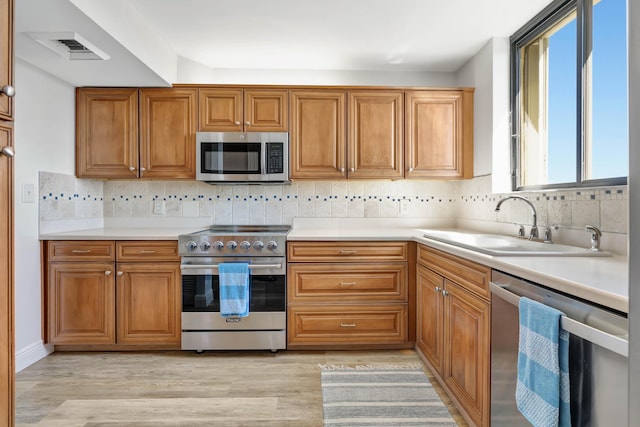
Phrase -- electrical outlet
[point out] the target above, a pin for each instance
(28, 195)
(404, 206)
(158, 207)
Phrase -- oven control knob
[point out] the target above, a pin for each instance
(205, 246)
(272, 246)
(245, 245)
(218, 245)
(258, 246)
(191, 245)
(232, 245)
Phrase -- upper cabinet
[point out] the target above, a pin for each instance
(317, 136)
(375, 138)
(242, 110)
(6, 60)
(131, 133)
(439, 134)
(168, 133)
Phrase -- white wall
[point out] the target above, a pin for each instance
(488, 72)
(193, 72)
(44, 140)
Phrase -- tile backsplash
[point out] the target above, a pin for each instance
(64, 197)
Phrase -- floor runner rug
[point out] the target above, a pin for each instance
(384, 395)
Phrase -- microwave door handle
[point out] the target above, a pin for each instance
(263, 159)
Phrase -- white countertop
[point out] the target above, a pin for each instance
(602, 280)
(122, 233)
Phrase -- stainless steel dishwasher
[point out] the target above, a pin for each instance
(598, 354)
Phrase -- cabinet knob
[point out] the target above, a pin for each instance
(438, 288)
(132, 169)
(352, 169)
(7, 151)
(142, 171)
(8, 90)
(342, 171)
(445, 293)
(410, 169)
(247, 122)
(107, 273)
(119, 273)
(237, 122)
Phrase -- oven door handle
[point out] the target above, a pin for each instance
(215, 266)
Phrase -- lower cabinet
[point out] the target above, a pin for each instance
(453, 329)
(97, 302)
(347, 294)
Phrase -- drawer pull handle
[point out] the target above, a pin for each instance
(347, 252)
(347, 284)
(348, 325)
(81, 251)
(148, 251)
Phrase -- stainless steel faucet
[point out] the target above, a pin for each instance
(533, 234)
(596, 237)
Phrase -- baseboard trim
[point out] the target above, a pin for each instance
(31, 354)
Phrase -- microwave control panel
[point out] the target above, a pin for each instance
(275, 157)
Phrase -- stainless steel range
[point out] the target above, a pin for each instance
(264, 249)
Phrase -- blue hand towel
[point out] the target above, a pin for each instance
(542, 391)
(234, 289)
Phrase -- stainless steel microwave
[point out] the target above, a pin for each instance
(242, 157)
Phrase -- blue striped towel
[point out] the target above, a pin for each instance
(542, 391)
(234, 289)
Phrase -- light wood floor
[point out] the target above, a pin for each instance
(183, 388)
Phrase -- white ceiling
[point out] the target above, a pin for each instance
(145, 38)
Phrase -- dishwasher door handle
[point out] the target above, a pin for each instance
(604, 339)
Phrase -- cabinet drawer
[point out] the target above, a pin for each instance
(80, 250)
(346, 251)
(148, 251)
(470, 275)
(347, 282)
(347, 324)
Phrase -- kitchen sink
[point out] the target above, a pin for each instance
(499, 245)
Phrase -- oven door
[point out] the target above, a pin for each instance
(200, 294)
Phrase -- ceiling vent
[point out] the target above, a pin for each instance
(70, 45)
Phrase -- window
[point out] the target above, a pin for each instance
(569, 96)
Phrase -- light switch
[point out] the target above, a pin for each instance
(28, 195)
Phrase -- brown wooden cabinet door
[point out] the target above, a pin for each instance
(106, 133)
(466, 370)
(7, 346)
(439, 134)
(317, 134)
(81, 303)
(430, 317)
(265, 110)
(148, 303)
(220, 110)
(168, 133)
(375, 142)
(6, 57)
